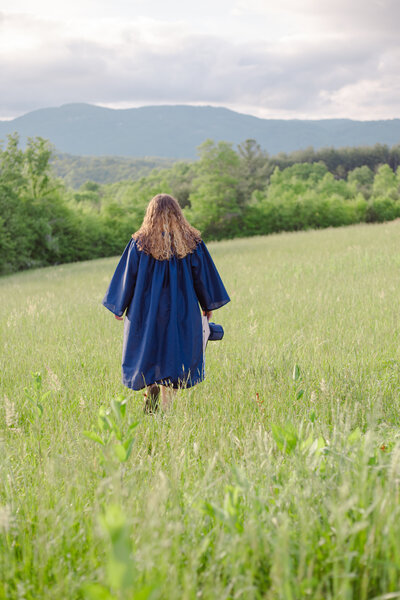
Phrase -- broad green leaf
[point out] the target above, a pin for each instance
(296, 373)
(116, 408)
(122, 402)
(285, 437)
(96, 591)
(92, 435)
(306, 444)
(120, 452)
(354, 436)
(104, 422)
(128, 445)
(116, 431)
(132, 426)
(318, 446)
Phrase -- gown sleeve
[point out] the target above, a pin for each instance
(120, 291)
(208, 285)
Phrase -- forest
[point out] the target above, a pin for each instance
(228, 192)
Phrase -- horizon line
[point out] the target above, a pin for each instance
(196, 105)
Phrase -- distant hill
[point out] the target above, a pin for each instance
(176, 131)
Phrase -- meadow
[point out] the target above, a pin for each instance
(278, 477)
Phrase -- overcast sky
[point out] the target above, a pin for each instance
(270, 58)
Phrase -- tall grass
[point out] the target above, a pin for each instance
(278, 477)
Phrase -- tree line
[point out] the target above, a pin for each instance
(226, 193)
(76, 170)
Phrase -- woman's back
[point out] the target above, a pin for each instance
(162, 329)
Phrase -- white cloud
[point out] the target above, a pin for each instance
(332, 71)
(358, 14)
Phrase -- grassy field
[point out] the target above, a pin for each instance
(278, 477)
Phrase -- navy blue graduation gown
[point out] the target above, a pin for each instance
(162, 327)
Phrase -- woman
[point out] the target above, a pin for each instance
(164, 273)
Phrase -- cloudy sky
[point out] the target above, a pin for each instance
(273, 59)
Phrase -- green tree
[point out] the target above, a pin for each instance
(37, 168)
(180, 181)
(385, 183)
(214, 203)
(254, 170)
(360, 180)
(12, 162)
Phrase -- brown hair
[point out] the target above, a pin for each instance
(165, 231)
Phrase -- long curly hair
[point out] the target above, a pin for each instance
(165, 232)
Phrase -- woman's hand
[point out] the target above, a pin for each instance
(119, 318)
(207, 314)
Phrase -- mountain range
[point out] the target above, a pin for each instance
(176, 131)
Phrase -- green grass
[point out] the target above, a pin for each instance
(278, 477)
